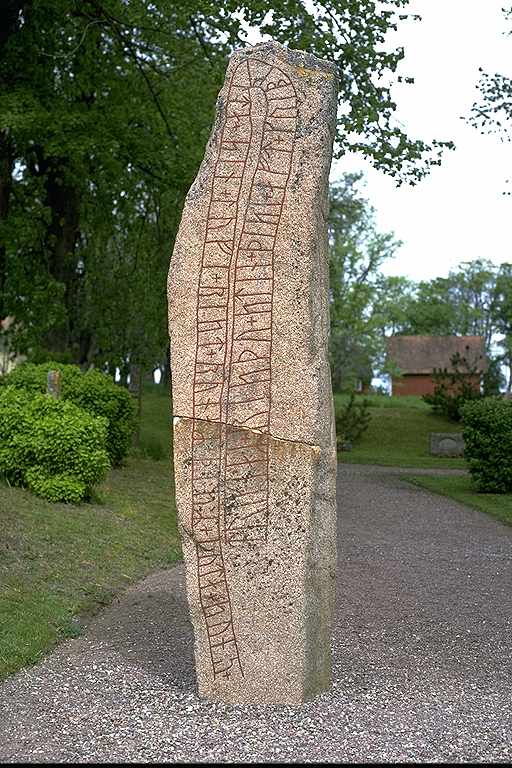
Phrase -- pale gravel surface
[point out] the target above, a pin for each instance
(422, 656)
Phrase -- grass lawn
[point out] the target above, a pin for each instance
(156, 424)
(398, 435)
(499, 505)
(386, 401)
(60, 563)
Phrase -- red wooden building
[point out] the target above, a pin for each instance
(416, 357)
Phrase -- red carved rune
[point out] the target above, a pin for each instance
(233, 363)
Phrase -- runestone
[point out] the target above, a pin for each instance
(253, 434)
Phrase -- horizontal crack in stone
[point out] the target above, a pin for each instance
(315, 446)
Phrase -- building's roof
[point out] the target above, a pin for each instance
(421, 354)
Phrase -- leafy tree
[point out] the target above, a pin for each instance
(357, 252)
(430, 312)
(493, 378)
(97, 115)
(492, 113)
(391, 307)
(471, 301)
(106, 108)
(472, 292)
(503, 309)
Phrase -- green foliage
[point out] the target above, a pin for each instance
(356, 253)
(60, 566)
(465, 303)
(493, 378)
(33, 376)
(352, 420)
(93, 391)
(50, 446)
(430, 310)
(106, 110)
(488, 443)
(99, 395)
(63, 487)
(454, 388)
(503, 316)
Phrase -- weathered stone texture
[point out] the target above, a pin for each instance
(254, 443)
(446, 444)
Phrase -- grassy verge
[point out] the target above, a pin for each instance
(398, 435)
(61, 563)
(497, 505)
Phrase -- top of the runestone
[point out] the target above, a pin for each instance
(304, 62)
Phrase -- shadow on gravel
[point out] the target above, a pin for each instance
(151, 629)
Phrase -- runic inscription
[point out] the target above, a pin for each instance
(253, 431)
(233, 361)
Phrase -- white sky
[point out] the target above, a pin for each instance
(458, 212)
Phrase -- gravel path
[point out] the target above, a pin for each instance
(422, 666)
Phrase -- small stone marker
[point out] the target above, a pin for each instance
(254, 442)
(53, 384)
(446, 444)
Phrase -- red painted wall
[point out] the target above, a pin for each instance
(420, 384)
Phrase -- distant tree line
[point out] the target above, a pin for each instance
(367, 306)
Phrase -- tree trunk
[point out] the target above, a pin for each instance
(6, 167)
(124, 370)
(166, 371)
(85, 349)
(135, 389)
(9, 24)
(63, 199)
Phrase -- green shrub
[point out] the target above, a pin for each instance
(93, 391)
(52, 447)
(33, 377)
(352, 420)
(97, 394)
(488, 443)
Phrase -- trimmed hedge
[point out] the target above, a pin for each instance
(93, 391)
(52, 447)
(97, 394)
(33, 377)
(488, 443)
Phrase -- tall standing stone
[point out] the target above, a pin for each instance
(254, 444)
